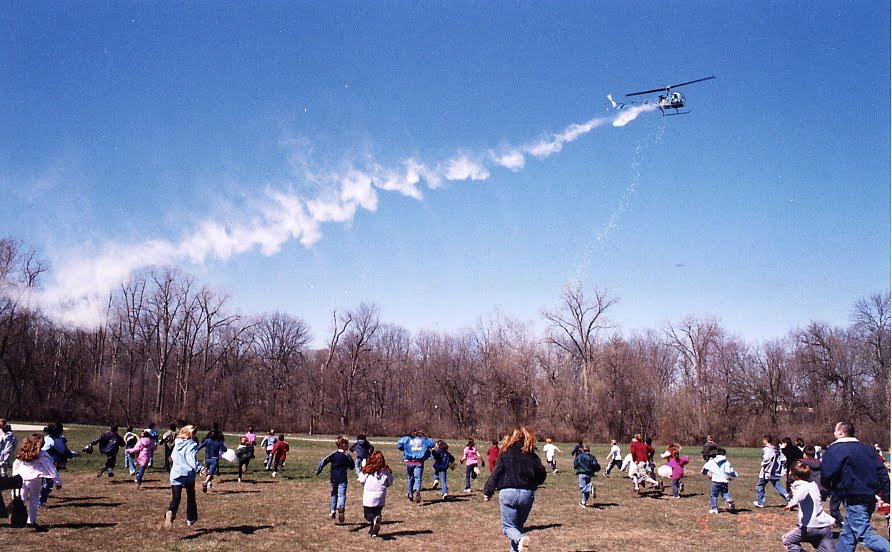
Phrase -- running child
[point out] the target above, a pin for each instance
(278, 454)
(470, 457)
(721, 473)
(244, 453)
(267, 445)
(34, 465)
(443, 461)
(341, 462)
(375, 477)
(363, 449)
(613, 458)
(586, 467)
(815, 526)
(144, 449)
(677, 463)
(130, 440)
(214, 447)
(109, 443)
(416, 449)
(549, 448)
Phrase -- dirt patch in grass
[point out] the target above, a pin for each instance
(290, 512)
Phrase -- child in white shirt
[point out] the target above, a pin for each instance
(814, 524)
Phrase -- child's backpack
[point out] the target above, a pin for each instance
(18, 513)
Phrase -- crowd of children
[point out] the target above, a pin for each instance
(41, 457)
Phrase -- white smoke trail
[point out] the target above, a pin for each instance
(599, 240)
(79, 293)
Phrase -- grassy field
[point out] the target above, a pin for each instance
(291, 511)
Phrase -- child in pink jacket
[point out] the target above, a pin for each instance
(145, 448)
(677, 463)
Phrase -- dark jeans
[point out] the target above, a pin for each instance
(370, 513)
(243, 468)
(46, 489)
(168, 450)
(140, 472)
(191, 506)
(611, 465)
(110, 461)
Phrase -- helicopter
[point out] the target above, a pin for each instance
(669, 100)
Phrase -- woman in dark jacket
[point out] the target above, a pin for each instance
(516, 476)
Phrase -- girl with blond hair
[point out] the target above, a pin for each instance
(183, 471)
(516, 476)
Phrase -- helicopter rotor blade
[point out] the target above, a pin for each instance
(691, 82)
(655, 90)
(667, 88)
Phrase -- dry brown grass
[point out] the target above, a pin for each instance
(290, 513)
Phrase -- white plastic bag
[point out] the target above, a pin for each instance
(230, 456)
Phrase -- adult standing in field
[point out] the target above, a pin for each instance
(772, 467)
(516, 476)
(641, 454)
(710, 449)
(167, 440)
(183, 471)
(416, 449)
(363, 449)
(613, 458)
(853, 471)
(8, 444)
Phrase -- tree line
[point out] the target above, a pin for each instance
(172, 349)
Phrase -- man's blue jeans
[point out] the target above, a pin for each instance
(760, 490)
(413, 481)
(338, 495)
(856, 528)
(515, 506)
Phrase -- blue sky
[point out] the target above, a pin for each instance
(422, 156)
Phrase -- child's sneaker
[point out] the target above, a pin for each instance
(757, 505)
(190, 523)
(168, 519)
(341, 515)
(331, 514)
(524, 544)
(731, 506)
(582, 504)
(444, 496)
(274, 474)
(436, 483)
(376, 526)
(417, 497)
(467, 490)
(713, 511)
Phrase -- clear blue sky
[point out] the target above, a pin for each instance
(272, 150)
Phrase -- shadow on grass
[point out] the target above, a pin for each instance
(449, 498)
(398, 534)
(78, 525)
(356, 527)
(77, 498)
(543, 527)
(85, 505)
(243, 529)
(237, 492)
(602, 505)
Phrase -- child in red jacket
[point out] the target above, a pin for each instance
(279, 452)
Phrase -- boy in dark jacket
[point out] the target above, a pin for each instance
(109, 443)
(586, 467)
(443, 459)
(341, 462)
(363, 450)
